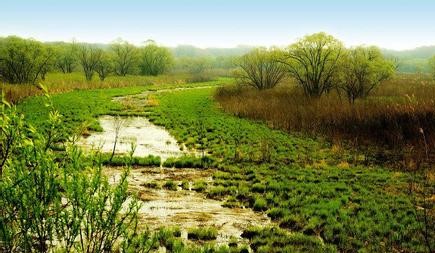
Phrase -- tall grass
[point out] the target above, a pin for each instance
(391, 117)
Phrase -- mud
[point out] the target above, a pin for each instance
(186, 208)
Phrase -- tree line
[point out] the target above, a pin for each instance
(319, 63)
(27, 60)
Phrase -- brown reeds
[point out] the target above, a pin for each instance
(390, 117)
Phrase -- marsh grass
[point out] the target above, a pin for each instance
(391, 117)
(60, 83)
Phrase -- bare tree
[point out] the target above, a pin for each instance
(118, 124)
(261, 69)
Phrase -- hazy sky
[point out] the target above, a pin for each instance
(395, 24)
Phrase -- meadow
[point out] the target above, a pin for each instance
(321, 196)
(334, 171)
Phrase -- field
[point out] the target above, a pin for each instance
(321, 197)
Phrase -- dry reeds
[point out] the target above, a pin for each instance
(391, 116)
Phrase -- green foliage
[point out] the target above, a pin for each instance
(125, 57)
(358, 208)
(52, 201)
(363, 69)
(89, 57)
(120, 160)
(23, 61)
(155, 60)
(312, 62)
(189, 162)
(170, 185)
(66, 57)
(431, 62)
(202, 233)
(261, 68)
(105, 65)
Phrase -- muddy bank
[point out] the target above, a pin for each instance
(148, 138)
(185, 208)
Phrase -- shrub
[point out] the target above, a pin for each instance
(59, 202)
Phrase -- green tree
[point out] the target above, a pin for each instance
(261, 68)
(22, 60)
(313, 61)
(155, 60)
(125, 57)
(363, 69)
(432, 66)
(89, 57)
(105, 65)
(66, 57)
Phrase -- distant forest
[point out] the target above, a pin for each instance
(414, 60)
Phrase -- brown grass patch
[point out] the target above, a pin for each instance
(390, 118)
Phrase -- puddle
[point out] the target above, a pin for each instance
(186, 208)
(148, 138)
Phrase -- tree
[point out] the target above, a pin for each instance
(261, 68)
(363, 69)
(105, 65)
(65, 55)
(432, 66)
(312, 61)
(125, 57)
(22, 60)
(155, 60)
(89, 57)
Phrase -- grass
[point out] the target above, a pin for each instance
(314, 190)
(202, 233)
(188, 162)
(304, 185)
(119, 160)
(60, 83)
(390, 118)
(170, 185)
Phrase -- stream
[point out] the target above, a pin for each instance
(184, 208)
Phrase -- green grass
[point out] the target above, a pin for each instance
(202, 233)
(302, 186)
(352, 208)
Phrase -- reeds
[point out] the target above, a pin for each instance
(391, 116)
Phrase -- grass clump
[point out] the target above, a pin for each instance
(170, 185)
(188, 162)
(121, 160)
(202, 233)
(199, 186)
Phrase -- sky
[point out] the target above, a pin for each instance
(392, 24)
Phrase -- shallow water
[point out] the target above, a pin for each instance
(148, 138)
(186, 208)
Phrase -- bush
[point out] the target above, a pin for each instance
(34, 213)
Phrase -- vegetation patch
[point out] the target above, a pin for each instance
(202, 233)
